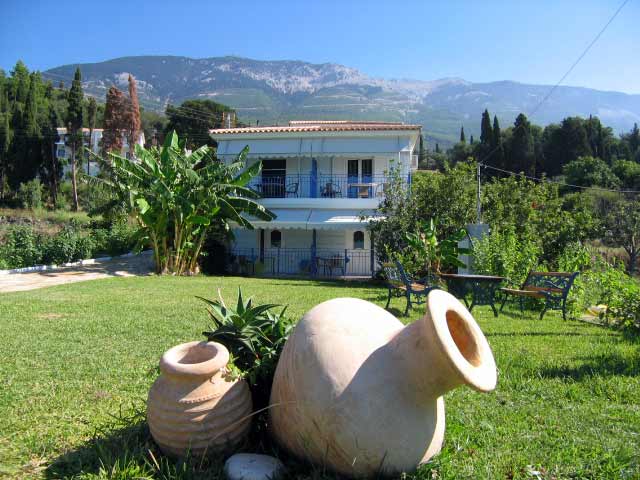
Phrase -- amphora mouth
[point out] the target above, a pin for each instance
(462, 341)
(194, 359)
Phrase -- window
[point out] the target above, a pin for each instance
(61, 153)
(358, 240)
(276, 239)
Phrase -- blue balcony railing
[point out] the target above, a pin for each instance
(320, 186)
(302, 262)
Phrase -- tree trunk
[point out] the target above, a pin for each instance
(74, 181)
(91, 150)
(633, 260)
(54, 176)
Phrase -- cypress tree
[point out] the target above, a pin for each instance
(5, 147)
(74, 122)
(24, 157)
(634, 139)
(522, 146)
(437, 148)
(462, 137)
(51, 169)
(486, 133)
(471, 140)
(496, 134)
(422, 153)
(133, 131)
(115, 120)
(497, 157)
(21, 82)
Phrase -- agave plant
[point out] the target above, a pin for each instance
(254, 335)
(177, 197)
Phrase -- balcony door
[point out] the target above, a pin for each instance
(359, 175)
(274, 173)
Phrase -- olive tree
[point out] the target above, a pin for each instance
(176, 197)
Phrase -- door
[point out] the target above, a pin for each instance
(274, 173)
(359, 178)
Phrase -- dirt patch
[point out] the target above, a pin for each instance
(50, 316)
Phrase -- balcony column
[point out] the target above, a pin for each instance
(372, 254)
(262, 244)
(314, 263)
(313, 181)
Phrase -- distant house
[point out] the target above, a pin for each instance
(324, 180)
(63, 149)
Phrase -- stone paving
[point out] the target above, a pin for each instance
(117, 267)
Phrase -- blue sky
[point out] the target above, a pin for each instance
(532, 42)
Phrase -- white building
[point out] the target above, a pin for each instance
(324, 181)
(63, 149)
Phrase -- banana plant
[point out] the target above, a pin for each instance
(435, 254)
(177, 197)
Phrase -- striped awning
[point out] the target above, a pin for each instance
(319, 219)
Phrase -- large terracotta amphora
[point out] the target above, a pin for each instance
(359, 392)
(194, 407)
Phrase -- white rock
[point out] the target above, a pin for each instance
(251, 466)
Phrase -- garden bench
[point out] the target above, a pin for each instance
(552, 287)
(401, 284)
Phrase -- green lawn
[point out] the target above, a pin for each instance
(76, 362)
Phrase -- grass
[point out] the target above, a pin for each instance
(76, 363)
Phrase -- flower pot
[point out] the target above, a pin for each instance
(359, 392)
(194, 407)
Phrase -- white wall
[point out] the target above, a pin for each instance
(246, 238)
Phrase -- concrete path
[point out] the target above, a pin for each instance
(119, 267)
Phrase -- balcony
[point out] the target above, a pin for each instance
(320, 186)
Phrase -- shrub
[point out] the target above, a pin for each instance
(214, 256)
(609, 285)
(576, 257)
(22, 247)
(506, 254)
(69, 245)
(115, 239)
(30, 194)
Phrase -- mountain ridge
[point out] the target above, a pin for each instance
(274, 91)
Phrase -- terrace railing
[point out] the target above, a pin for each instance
(320, 186)
(305, 262)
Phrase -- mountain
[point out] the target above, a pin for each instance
(278, 91)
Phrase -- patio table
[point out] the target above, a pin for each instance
(481, 287)
(364, 189)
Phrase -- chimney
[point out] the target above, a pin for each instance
(229, 119)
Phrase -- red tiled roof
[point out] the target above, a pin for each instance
(320, 126)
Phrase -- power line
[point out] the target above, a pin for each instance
(553, 89)
(537, 179)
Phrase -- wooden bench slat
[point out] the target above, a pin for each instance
(535, 288)
(551, 274)
(523, 293)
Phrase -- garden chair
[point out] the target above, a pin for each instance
(399, 283)
(292, 190)
(331, 190)
(552, 287)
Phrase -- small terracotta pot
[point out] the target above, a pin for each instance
(194, 407)
(359, 392)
